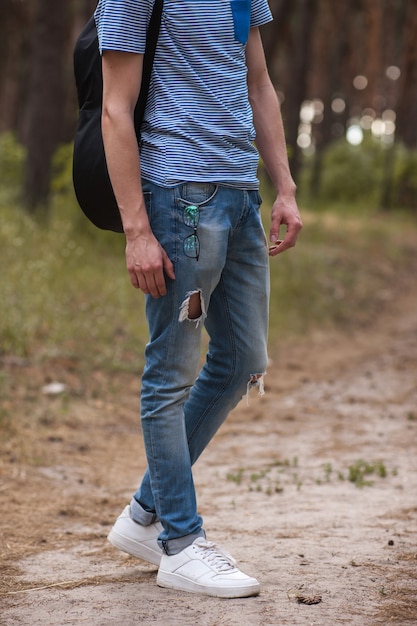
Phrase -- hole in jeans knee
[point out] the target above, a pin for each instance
(192, 308)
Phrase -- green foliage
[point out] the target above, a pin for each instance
(360, 470)
(62, 192)
(367, 177)
(352, 174)
(280, 475)
(341, 273)
(404, 186)
(66, 292)
(235, 477)
(62, 171)
(65, 289)
(12, 160)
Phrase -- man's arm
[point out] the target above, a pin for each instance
(146, 260)
(270, 141)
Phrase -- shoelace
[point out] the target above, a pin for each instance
(218, 558)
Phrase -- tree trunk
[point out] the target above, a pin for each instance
(297, 88)
(331, 55)
(14, 26)
(275, 34)
(45, 102)
(374, 67)
(407, 99)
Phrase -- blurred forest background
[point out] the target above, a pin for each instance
(345, 71)
(346, 75)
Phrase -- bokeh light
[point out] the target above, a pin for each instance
(360, 82)
(354, 135)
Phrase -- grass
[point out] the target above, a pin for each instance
(360, 470)
(344, 269)
(65, 290)
(279, 475)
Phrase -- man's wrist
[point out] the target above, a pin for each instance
(288, 190)
(134, 232)
(135, 221)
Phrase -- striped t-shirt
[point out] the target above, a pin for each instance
(198, 123)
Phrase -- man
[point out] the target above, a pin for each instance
(196, 247)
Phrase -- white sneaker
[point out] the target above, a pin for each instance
(135, 539)
(205, 568)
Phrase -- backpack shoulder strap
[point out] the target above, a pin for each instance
(151, 41)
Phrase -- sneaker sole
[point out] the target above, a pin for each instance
(174, 581)
(140, 551)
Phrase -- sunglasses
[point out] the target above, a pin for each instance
(191, 242)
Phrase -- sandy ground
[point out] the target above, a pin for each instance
(275, 488)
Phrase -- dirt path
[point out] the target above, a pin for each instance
(275, 488)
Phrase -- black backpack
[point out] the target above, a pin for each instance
(90, 176)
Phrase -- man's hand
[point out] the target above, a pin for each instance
(146, 263)
(284, 213)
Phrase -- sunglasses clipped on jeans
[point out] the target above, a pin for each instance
(191, 218)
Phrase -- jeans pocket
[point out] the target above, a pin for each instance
(197, 193)
(147, 197)
(259, 198)
(241, 19)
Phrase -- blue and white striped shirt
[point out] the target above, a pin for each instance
(198, 122)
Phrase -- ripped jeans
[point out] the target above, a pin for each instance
(227, 291)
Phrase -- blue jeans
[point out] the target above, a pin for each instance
(182, 408)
